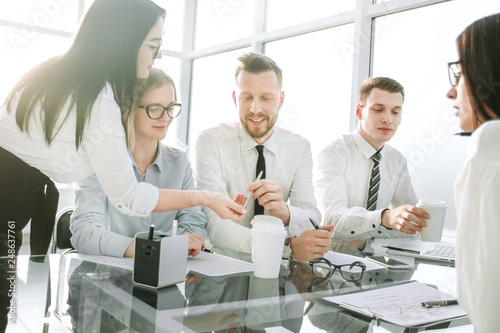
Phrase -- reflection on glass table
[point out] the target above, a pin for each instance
(86, 296)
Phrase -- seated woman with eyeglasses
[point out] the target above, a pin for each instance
(97, 226)
(476, 97)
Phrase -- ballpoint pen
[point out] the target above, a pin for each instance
(401, 249)
(249, 194)
(437, 304)
(463, 134)
(207, 250)
(315, 225)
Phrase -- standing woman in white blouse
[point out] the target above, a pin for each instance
(63, 121)
(475, 91)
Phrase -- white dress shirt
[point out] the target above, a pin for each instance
(345, 167)
(477, 196)
(226, 161)
(99, 228)
(103, 151)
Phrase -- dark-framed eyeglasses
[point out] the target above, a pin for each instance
(157, 46)
(156, 111)
(453, 73)
(322, 268)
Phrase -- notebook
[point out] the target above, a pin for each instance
(440, 252)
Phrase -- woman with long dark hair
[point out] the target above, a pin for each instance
(63, 121)
(475, 91)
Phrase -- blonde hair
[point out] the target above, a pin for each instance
(156, 79)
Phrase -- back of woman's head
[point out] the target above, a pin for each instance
(105, 49)
(479, 55)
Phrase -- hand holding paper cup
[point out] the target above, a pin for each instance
(434, 229)
(268, 237)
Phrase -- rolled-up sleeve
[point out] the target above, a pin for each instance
(104, 142)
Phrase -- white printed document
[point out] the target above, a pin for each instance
(400, 304)
(212, 264)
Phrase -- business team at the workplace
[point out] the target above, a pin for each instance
(85, 117)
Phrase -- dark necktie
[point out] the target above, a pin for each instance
(261, 166)
(374, 183)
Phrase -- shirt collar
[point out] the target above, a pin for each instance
(158, 158)
(366, 149)
(247, 142)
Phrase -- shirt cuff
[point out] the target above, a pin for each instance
(144, 203)
(297, 224)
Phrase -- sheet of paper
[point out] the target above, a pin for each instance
(346, 259)
(210, 264)
(213, 264)
(126, 263)
(400, 304)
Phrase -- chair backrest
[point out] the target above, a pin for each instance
(62, 233)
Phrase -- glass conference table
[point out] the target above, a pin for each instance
(65, 294)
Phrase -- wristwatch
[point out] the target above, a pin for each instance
(287, 249)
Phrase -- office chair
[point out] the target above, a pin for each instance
(62, 233)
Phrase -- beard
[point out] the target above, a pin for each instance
(260, 132)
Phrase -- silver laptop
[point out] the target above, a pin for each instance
(443, 251)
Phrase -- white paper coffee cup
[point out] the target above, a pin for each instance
(434, 229)
(268, 238)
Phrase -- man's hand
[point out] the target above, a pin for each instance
(270, 196)
(407, 219)
(312, 243)
(195, 244)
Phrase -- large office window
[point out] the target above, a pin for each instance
(223, 21)
(317, 77)
(211, 96)
(417, 58)
(285, 13)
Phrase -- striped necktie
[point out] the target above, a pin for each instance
(374, 183)
(261, 166)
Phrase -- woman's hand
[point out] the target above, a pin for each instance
(225, 207)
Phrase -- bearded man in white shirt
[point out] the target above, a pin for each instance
(345, 172)
(226, 162)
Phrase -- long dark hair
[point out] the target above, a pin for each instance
(105, 49)
(479, 55)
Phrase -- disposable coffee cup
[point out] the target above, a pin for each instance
(268, 237)
(434, 229)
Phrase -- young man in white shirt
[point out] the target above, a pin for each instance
(345, 172)
(226, 158)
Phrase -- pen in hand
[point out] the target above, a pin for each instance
(249, 194)
(207, 250)
(438, 304)
(315, 225)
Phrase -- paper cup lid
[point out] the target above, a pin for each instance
(431, 203)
